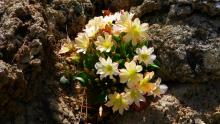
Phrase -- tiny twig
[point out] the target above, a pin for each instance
(86, 107)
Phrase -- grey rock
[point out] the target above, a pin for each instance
(184, 11)
(147, 6)
(178, 8)
(36, 47)
(177, 11)
(190, 58)
(118, 5)
(183, 104)
(185, 1)
(70, 15)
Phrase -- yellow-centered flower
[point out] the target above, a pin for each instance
(97, 22)
(82, 43)
(118, 101)
(145, 55)
(104, 44)
(131, 73)
(160, 89)
(135, 31)
(110, 18)
(66, 48)
(145, 85)
(124, 18)
(134, 96)
(106, 68)
(91, 31)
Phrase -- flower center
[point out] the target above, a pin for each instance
(118, 100)
(108, 68)
(86, 44)
(136, 30)
(144, 56)
(132, 72)
(107, 44)
(133, 94)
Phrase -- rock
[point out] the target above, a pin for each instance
(178, 8)
(185, 38)
(177, 11)
(28, 34)
(182, 49)
(183, 104)
(147, 6)
(209, 7)
(114, 5)
(69, 15)
(65, 121)
(12, 90)
(184, 1)
(36, 47)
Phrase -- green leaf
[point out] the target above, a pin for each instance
(116, 38)
(83, 78)
(157, 62)
(101, 97)
(116, 57)
(64, 80)
(113, 48)
(154, 66)
(121, 62)
(79, 79)
(123, 49)
(90, 60)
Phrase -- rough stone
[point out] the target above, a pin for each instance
(28, 34)
(147, 6)
(185, 37)
(181, 49)
(117, 5)
(180, 11)
(183, 104)
(12, 90)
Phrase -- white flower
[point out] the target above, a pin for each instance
(91, 31)
(82, 43)
(134, 96)
(123, 19)
(106, 68)
(146, 85)
(130, 74)
(145, 55)
(110, 18)
(161, 89)
(104, 44)
(135, 31)
(97, 22)
(118, 101)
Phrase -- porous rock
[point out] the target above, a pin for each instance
(12, 90)
(29, 30)
(183, 104)
(187, 54)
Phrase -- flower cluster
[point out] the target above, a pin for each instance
(114, 62)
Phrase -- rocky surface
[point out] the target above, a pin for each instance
(183, 104)
(185, 34)
(178, 8)
(188, 53)
(187, 41)
(186, 38)
(12, 93)
(29, 35)
(23, 35)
